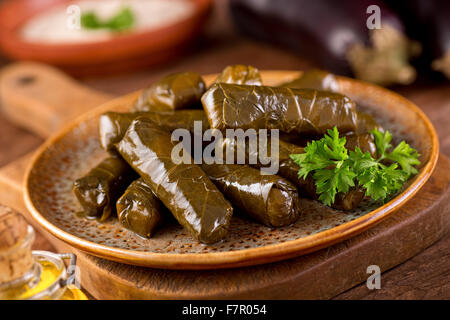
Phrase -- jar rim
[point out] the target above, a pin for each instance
(26, 241)
(53, 290)
(31, 278)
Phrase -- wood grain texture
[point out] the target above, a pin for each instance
(25, 141)
(42, 98)
(321, 275)
(425, 275)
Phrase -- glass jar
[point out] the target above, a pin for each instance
(42, 275)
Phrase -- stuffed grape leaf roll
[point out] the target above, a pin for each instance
(323, 80)
(289, 110)
(268, 199)
(185, 189)
(113, 125)
(314, 79)
(139, 210)
(288, 169)
(99, 189)
(360, 137)
(240, 74)
(175, 91)
(326, 81)
(367, 123)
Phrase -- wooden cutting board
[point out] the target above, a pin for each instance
(42, 99)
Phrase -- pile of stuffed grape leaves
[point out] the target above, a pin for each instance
(321, 144)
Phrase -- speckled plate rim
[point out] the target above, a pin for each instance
(244, 257)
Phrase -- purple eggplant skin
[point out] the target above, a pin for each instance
(428, 22)
(322, 30)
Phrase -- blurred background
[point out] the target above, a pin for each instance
(117, 47)
(400, 44)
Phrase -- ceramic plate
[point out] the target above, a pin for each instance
(74, 150)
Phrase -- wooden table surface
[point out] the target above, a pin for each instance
(426, 276)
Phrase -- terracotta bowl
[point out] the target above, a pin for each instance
(73, 151)
(121, 53)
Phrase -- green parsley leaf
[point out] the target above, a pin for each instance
(373, 182)
(331, 181)
(122, 20)
(89, 20)
(362, 161)
(406, 157)
(395, 178)
(327, 159)
(382, 141)
(382, 181)
(335, 169)
(315, 158)
(334, 146)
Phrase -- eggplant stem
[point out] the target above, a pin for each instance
(386, 61)
(443, 64)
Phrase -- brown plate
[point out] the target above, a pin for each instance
(125, 52)
(74, 150)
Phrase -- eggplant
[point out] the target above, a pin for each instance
(429, 22)
(334, 34)
(440, 38)
(441, 44)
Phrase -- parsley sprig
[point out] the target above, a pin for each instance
(336, 169)
(122, 20)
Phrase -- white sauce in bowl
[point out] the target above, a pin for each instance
(52, 25)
